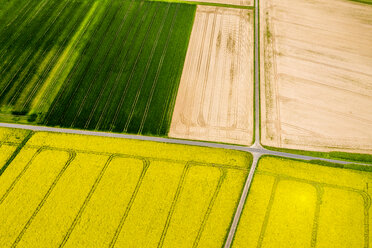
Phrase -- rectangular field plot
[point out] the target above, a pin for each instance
(316, 75)
(215, 97)
(299, 204)
(110, 65)
(83, 191)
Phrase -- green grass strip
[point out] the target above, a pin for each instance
(205, 3)
(345, 156)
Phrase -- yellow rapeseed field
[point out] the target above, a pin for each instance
(298, 204)
(84, 191)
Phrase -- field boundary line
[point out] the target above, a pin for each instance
(72, 156)
(129, 119)
(319, 197)
(223, 173)
(160, 66)
(146, 165)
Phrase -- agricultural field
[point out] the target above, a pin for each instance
(300, 204)
(87, 191)
(316, 60)
(215, 97)
(110, 65)
(225, 3)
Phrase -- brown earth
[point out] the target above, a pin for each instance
(316, 75)
(215, 97)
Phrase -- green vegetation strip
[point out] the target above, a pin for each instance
(352, 157)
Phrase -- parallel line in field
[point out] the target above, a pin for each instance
(86, 201)
(73, 71)
(26, 60)
(146, 69)
(314, 232)
(98, 71)
(110, 72)
(29, 40)
(20, 175)
(129, 206)
(51, 63)
(27, 5)
(129, 80)
(210, 206)
(66, 60)
(18, 33)
(174, 202)
(144, 117)
(72, 156)
(122, 66)
(77, 87)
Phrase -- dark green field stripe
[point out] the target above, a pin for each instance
(90, 68)
(22, 53)
(160, 109)
(64, 28)
(94, 85)
(63, 95)
(73, 23)
(141, 37)
(145, 73)
(104, 121)
(75, 78)
(118, 67)
(32, 28)
(113, 57)
(15, 15)
(234, 6)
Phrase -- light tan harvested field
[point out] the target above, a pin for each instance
(215, 97)
(234, 2)
(316, 75)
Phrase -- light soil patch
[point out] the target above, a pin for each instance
(316, 75)
(215, 97)
(298, 204)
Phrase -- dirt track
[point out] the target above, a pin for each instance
(215, 98)
(316, 75)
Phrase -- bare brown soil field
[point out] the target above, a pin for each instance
(215, 96)
(316, 75)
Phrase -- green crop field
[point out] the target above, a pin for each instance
(111, 65)
(300, 204)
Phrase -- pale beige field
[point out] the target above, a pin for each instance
(234, 2)
(316, 75)
(215, 97)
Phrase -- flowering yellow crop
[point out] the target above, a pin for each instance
(84, 191)
(298, 204)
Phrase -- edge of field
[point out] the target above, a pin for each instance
(338, 155)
